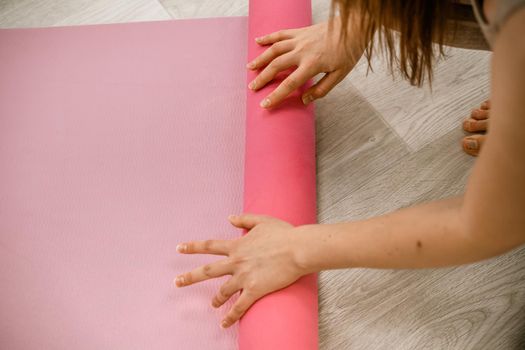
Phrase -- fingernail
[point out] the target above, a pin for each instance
(265, 103)
(224, 324)
(251, 65)
(232, 217)
(179, 281)
(471, 144)
(181, 248)
(307, 99)
(258, 40)
(251, 86)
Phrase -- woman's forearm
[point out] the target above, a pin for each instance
(426, 235)
(488, 220)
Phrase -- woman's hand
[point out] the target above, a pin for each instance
(313, 50)
(260, 262)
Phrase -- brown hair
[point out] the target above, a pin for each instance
(420, 23)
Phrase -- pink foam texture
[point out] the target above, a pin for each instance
(117, 142)
(280, 181)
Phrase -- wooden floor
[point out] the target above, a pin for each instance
(382, 145)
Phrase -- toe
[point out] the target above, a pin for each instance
(485, 105)
(472, 144)
(473, 125)
(479, 114)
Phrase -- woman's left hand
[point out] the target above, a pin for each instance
(260, 262)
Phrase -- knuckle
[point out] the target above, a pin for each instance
(236, 260)
(290, 83)
(232, 245)
(243, 274)
(208, 244)
(219, 298)
(207, 270)
(216, 302)
(252, 285)
(270, 72)
(311, 63)
(237, 310)
(301, 49)
(264, 76)
(223, 293)
(321, 91)
(277, 65)
(278, 48)
(317, 56)
(275, 50)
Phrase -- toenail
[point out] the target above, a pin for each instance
(478, 113)
(471, 144)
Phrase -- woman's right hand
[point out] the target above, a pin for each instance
(312, 50)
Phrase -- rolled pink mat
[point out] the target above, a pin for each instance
(280, 181)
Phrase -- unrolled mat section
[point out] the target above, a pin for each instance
(117, 142)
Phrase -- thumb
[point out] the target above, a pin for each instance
(247, 221)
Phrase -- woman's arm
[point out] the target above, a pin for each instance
(488, 220)
(426, 235)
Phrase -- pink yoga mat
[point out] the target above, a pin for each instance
(116, 143)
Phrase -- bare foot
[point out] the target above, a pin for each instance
(478, 123)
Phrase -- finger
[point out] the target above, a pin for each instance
(275, 37)
(205, 272)
(473, 144)
(480, 114)
(474, 125)
(322, 87)
(238, 309)
(485, 105)
(270, 54)
(211, 246)
(247, 221)
(288, 85)
(278, 65)
(226, 291)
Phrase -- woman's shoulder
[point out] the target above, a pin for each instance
(493, 14)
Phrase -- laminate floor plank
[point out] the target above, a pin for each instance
(421, 115)
(47, 13)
